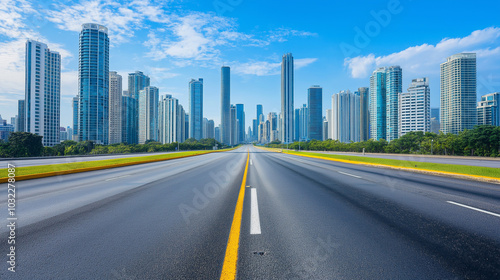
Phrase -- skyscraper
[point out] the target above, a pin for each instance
(169, 120)
(364, 117)
(260, 113)
(115, 112)
(130, 119)
(393, 86)
(488, 109)
(303, 123)
(414, 107)
(345, 117)
(93, 84)
(225, 104)
(76, 106)
(329, 120)
(287, 108)
(21, 115)
(234, 126)
(315, 104)
(148, 114)
(377, 104)
(296, 124)
(42, 92)
(196, 109)
(240, 115)
(458, 93)
(136, 82)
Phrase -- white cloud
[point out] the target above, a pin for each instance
(425, 59)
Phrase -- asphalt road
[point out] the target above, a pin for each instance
(302, 218)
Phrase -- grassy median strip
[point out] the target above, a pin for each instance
(453, 168)
(67, 168)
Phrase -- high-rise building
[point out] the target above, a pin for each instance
(130, 119)
(287, 109)
(364, 117)
(196, 109)
(260, 113)
(210, 129)
(255, 132)
(315, 104)
(225, 104)
(76, 106)
(93, 84)
(345, 117)
(234, 126)
(393, 87)
(272, 117)
(458, 93)
(435, 113)
(217, 133)
(148, 114)
(488, 109)
(325, 129)
(21, 116)
(5, 130)
(377, 104)
(168, 121)
(296, 124)
(303, 123)
(115, 112)
(136, 82)
(414, 107)
(240, 115)
(42, 92)
(329, 120)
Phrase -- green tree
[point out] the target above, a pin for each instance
(25, 144)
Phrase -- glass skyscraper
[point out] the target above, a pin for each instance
(287, 109)
(136, 82)
(42, 92)
(415, 107)
(76, 99)
(240, 115)
(130, 119)
(93, 84)
(196, 109)
(148, 114)
(458, 93)
(377, 104)
(115, 112)
(393, 87)
(21, 116)
(315, 104)
(225, 104)
(488, 109)
(364, 115)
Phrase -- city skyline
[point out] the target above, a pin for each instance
(257, 73)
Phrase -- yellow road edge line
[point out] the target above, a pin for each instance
(231, 258)
(393, 166)
(86, 169)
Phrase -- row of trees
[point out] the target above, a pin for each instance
(483, 140)
(24, 144)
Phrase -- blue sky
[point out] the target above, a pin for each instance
(174, 41)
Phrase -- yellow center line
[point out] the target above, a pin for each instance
(231, 257)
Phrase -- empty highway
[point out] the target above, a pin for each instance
(301, 218)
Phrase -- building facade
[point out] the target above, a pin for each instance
(377, 104)
(115, 108)
(287, 107)
(42, 92)
(148, 114)
(130, 119)
(488, 109)
(415, 107)
(393, 87)
(225, 104)
(315, 117)
(345, 117)
(458, 93)
(21, 116)
(240, 115)
(196, 109)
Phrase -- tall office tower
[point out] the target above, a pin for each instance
(240, 115)
(377, 104)
(255, 125)
(168, 119)
(225, 104)
(415, 107)
(234, 126)
(70, 132)
(93, 84)
(210, 129)
(196, 109)
(76, 99)
(130, 119)
(217, 133)
(345, 117)
(435, 113)
(488, 109)
(296, 124)
(393, 87)
(260, 112)
(13, 122)
(115, 112)
(315, 104)
(204, 127)
(458, 93)
(186, 126)
(303, 123)
(329, 119)
(136, 82)
(364, 115)
(21, 114)
(287, 112)
(325, 128)
(272, 117)
(182, 130)
(435, 121)
(148, 114)
(5, 130)
(248, 137)
(42, 92)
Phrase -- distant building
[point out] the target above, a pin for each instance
(364, 111)
(393, 86)
(63, 134)
(137, 81)
(196, 109)
(225, 125)
(217, 133)
(378, 111)
(21, 116)
(148, 114)
(130, 119)
(170, 120)
(234, 126)
(42, 92)
(315, 104)
(115, 112)
(329, 120)
(240, 115)
(210, 129)
(435, 113)
(5, 129)
(414, 107)
(287, 107)
(76, 107)
(303, 123)
(345, 117)
(488, 109)
(325, 129)
(458, 93)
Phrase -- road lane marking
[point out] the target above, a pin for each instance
(474, 208)
(231, 258)
(254, 213)
(110, 179)
(348, 174)
(251, 163)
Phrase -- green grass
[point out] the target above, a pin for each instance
(462, 169)
(28, 170)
